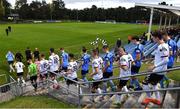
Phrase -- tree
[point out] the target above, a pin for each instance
(20, 3)
(2, 12)
(7, 7)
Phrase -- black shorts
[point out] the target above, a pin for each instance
(33, 78)
(10, 62)
(69, 82)
(20, 74)
(107, 74)
(44, 75)
(135, 70)
(64, 68)
(83, 72)
(154, 79)
(122, 83)
(95, 85)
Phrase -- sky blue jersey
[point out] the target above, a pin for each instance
(65, 58)
(10, 56)
(86, 60)
(109, 59)
(172, 47)
(138, 50)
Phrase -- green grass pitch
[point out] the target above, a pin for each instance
(71, 36)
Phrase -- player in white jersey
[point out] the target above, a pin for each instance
(54, 67)
(160, 64)
(54, 61)
(72, 72)
(97, 73)
(19, 66)
(43, 68)
(125, 63)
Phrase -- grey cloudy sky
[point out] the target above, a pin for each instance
(80, 4)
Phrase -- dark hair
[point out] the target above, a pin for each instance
(95, 51)
(135, 38)
(61, 48)
(27, 47)
(84, 49)
(42, 55)
(51, 50)
(71, 55)
(164, 33)
(105, 46)
(157, 34)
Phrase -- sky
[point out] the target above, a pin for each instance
(80, 4)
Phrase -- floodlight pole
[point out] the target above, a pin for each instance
(178, 20)
(165, 22)
(160, 22)
(169, 22)
(150, 23)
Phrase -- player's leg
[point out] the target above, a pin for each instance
(121, 87)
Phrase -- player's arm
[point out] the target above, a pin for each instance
(96, 71)
(106, 66)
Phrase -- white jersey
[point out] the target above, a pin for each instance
(161, 57)
(19, 67)
(97, 63)
(44, 65)
(73, 67)
(54, 62)
(125, 60)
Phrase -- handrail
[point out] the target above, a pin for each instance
(7, 84)
(130, 92)
(140, 74)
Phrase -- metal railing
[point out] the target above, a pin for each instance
(8, 91)
(80, 84)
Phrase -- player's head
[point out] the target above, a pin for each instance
(165, 35)
(105, 48)
(30, 61)
(62, 49)
(157, 36)
(121, 51)
(51, 50)
(36, 49)
(135, 39)
(28, 48)
(95, 52)
(42, 56)
(71, 56)
(84, 50)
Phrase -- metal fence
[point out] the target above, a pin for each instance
(79, 95)
(8, 90)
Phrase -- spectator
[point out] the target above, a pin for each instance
(178, 55)
(7, 31)
(9, 28)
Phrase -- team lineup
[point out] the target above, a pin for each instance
(102, 67)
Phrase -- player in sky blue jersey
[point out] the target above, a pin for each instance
(64, 59)
(173, 49)
(108, 68)
(10, 59)
(137, 56)
(85, 64)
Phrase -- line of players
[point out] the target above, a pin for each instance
(102, 68)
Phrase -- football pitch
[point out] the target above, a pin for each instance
(72, 36)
